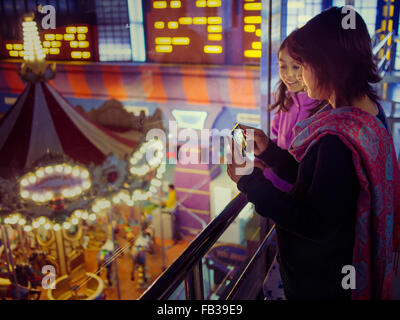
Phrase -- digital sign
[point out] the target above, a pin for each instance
(73, 42)
(185, 32)
(206, 32)
(252, 31)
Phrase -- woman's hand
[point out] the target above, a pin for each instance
(261, 140)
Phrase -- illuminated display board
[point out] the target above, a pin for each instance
(203, 31)
(252, 31)
(73, 42)
(185, 31)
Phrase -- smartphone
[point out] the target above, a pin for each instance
(239, 139)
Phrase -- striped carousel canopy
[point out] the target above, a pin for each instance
(42, 122)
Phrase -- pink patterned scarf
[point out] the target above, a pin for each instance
(377, 237)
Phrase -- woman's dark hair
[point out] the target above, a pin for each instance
(282, 99)
(171, 186)
(341, 58)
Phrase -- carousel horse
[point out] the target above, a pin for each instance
(138, 256)
(104, 257)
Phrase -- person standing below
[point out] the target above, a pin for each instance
(338, 228)
(170, 205)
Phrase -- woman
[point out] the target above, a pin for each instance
(344, 208)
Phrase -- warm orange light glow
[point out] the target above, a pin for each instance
(252, 53)
(185, 20)
(159, 4)
(50, 37)
(164, 49)
(172, 25)
(212, 49)
(82, 29)
(76, 54)
(215, 37)
(159, 25)
(70, 29)
(69, 37)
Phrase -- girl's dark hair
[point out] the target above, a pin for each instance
(341, 58)
(282, 99)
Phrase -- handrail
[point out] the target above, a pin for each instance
(171, 278)
(247, 269)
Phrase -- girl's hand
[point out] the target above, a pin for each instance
(261, 140)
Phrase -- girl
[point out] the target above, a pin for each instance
(293, 105)
(338, 228)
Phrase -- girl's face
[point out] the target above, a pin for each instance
(288, 72)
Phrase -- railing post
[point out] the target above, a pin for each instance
(194, 283)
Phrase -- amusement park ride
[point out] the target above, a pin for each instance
(53, 192)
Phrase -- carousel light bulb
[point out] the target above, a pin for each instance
(32, 179)
(35, 197)
(25, 182)
(47, 226)
(49, 195)
(67, 169)
(49, 170)
(66, 225)
(116, 199)
(95, 209)
(75, 221)
(36, 225)
(7, 221)
(28, 228)
(21, 222)
(25, 194)
(78, 190)
(85, 174)
(86, 185)
(129, 203)
(92, 217)
(138, 155)
(78, 213)
(133, 170)
(40, 174)
(56, 227)
(42, 220)
(59, 168)
(85, 215)
(32, 45)
(76, 172)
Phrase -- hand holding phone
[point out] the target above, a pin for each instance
(240, 142)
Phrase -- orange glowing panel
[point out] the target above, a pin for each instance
(186, 32)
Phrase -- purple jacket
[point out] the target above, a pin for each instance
(282, 128)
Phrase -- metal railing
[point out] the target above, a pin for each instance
(188, 266)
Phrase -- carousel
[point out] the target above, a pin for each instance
(62, 175)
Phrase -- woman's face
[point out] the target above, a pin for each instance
(288, 72)
(309, 79)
